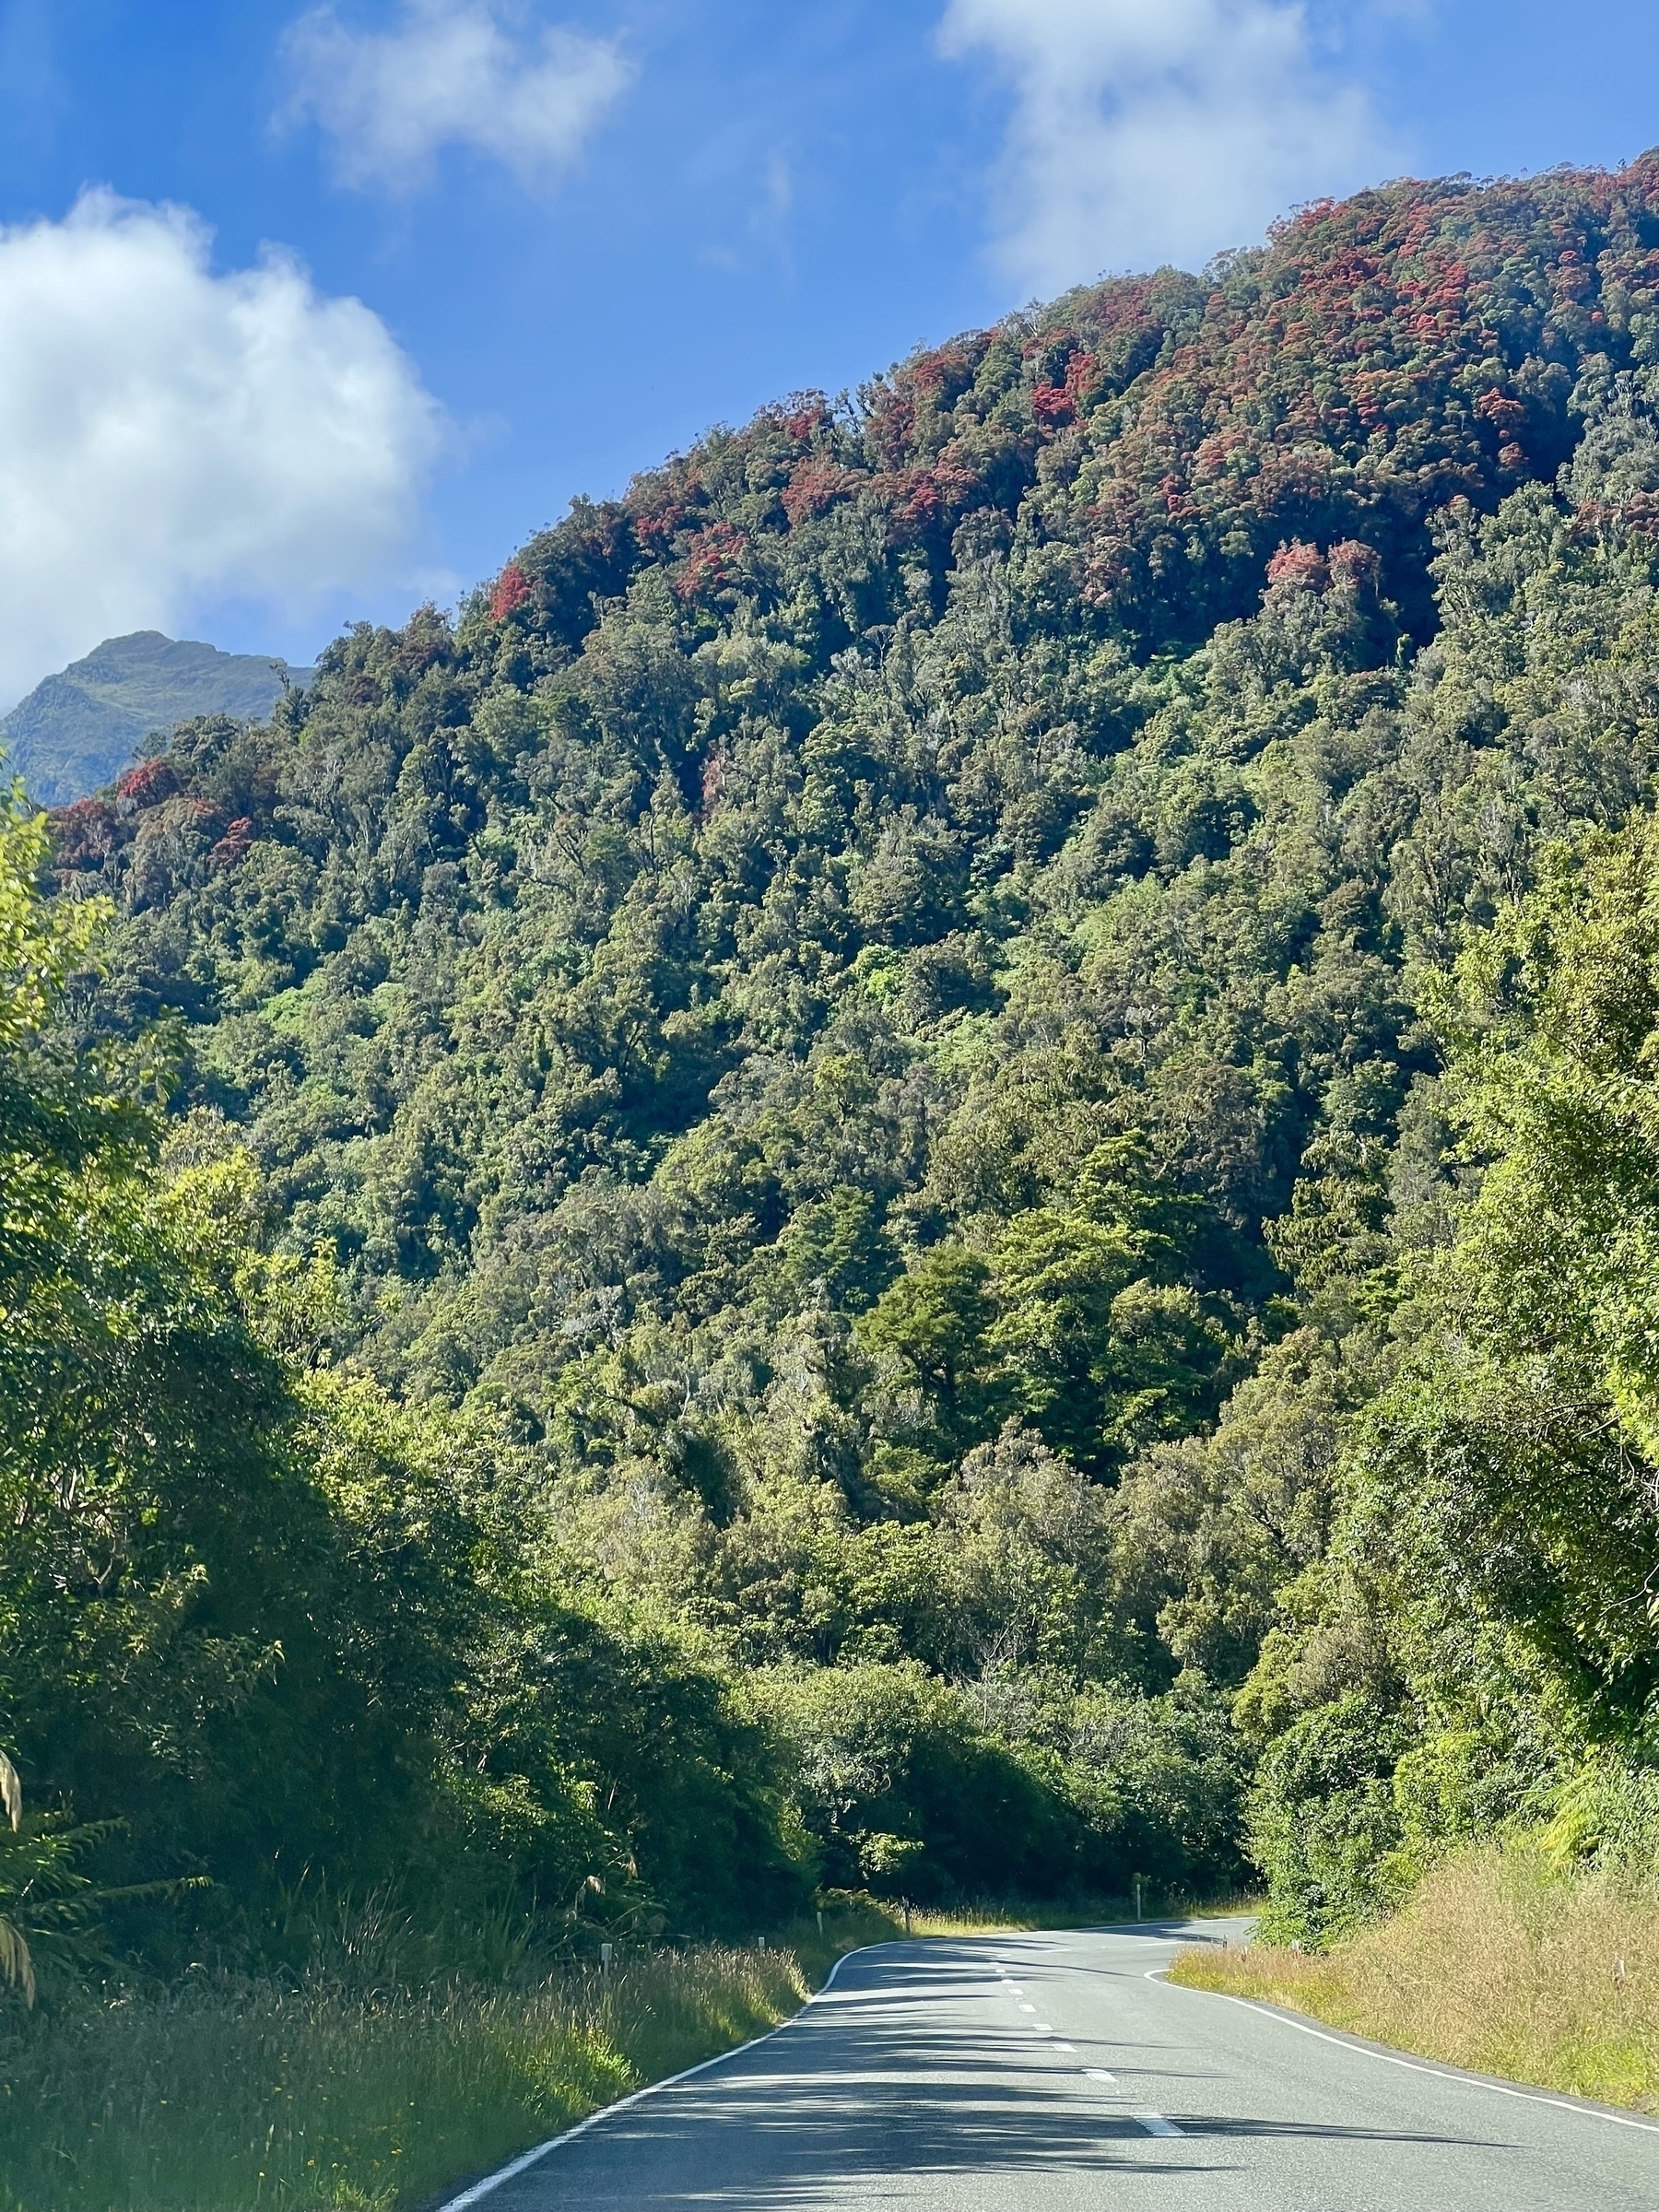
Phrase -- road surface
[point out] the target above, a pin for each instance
(1047, 2073)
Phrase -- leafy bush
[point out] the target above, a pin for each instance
(902, 1790)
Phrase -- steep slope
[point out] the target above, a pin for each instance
(866, 995)
(866, 714)
(81, 728)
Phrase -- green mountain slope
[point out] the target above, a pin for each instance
(879, 1020)
(81, 728)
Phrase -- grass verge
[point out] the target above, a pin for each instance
(1497, 1963)
(233, 2093)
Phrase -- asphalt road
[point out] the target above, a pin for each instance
(1047, 2073)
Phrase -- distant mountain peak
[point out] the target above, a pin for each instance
(79, 729)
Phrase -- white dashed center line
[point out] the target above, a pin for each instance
(1154, 2123)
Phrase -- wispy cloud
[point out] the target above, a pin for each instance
(464, 73)
(169, 436)
(1158, 130)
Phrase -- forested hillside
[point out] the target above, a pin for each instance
(928, 1164)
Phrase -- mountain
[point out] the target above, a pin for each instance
(77, 730)
(937, 1045)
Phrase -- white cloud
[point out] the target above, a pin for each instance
(169, 437)
(452, 72)
(1147, 131)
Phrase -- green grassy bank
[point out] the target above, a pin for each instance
(230, 2092)
(1499, 1963)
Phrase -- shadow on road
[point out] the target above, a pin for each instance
(873, 2083)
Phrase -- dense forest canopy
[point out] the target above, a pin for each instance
(928, 1164)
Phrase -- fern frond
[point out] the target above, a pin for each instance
(16, 1964)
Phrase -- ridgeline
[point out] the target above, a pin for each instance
(83, 727)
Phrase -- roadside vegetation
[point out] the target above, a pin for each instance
(364, 2079)
(1499, 1961)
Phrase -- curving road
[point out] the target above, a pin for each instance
(1047, 2073)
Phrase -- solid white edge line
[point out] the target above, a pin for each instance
(525, 2160)
(1416, 2065)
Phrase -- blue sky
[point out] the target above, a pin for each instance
(579, 234)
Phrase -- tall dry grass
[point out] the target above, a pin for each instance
(235, 2093)
(1498, 1963)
